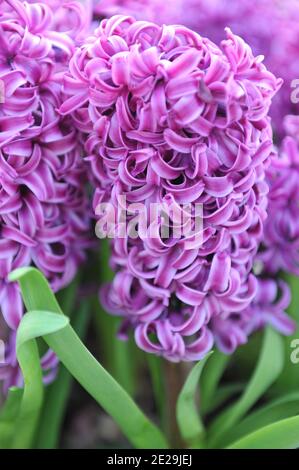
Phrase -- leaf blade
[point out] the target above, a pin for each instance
(268, 369)
(283, 434)
(285, 407)
(8, 415)
(31, 327)
(189, 422)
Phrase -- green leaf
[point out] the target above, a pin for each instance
(58, 392)
(283, 434)
(221, 395)
(31, 327)
(82, 365)
(269, 367)
(188, 419)
(210, 378)
(284, 407)
(8, 415)
(36, 292)
(17, 412)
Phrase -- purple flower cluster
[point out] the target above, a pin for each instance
(271, 27)
(281, 238)
(172, 118)
(44, 214)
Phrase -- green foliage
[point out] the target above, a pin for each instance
(8, 416)
(190, 424)
(280, 435)
(54, 327)
(269, 367)
(261, 413)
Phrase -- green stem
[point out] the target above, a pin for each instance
(173, 383)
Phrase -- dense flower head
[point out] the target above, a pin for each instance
(173, 119)
(44, 215)
(271, 27)
(281, 238)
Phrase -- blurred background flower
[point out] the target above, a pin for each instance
(281, 238)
